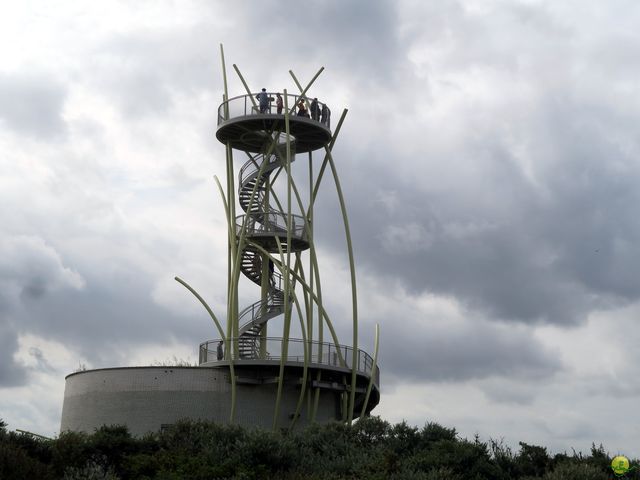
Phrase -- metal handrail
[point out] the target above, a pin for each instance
(272, 221)
(320, 353)
(277, 278)
(242, 105)
(260, 308)
(274, 162)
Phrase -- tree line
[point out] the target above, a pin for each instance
(369, 449)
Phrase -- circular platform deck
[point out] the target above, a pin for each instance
(241, 124)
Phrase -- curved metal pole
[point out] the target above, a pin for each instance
(284, 352)
(246, 87)
(313, 257)
(224, 200)
(373, 371)
(326, 160)
(229, 297)
(316, 275)
(304, 285)
(309, 305)
(305, 367)
(287, 278)
(205, 305)
(225, 339)
(308, 227)
(313, 260)
(224, 78)
(354, 293)
(304, 91)
(231, 242)
(311, 82)
(238, 247)
(232, 297)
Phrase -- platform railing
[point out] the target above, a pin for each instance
(320, 353)
(272, 222)
(253, 312)
(242, 106)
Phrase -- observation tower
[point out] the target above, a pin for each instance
(257, 372)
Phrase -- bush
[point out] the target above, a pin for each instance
(16, 464)
(371, 448)
(532, 460)
(576, 471)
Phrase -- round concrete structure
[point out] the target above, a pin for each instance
(147, 399)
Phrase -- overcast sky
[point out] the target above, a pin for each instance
(489, 160)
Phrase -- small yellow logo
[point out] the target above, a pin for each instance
(620, 465)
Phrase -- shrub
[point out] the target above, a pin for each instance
(576, 471)
(532, 460)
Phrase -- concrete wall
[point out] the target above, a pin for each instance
(145, 398)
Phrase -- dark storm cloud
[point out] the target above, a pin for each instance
(31, 104)
(549, 251)
(96, 315)
(30, 270)
(12, 373)
(357, 41)
(42, 364)
(526, 211)
(462, 352)
(103, 321)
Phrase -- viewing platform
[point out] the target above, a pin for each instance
(265, 228)
(257, 361)
(247, 126)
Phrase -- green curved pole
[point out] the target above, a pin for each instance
(225, 339)
(287, 278)
(315, 274)
(224, 78)
(284, 353)
(322, 311)
(226, 207)
(309, 305)
(228, 344)
(326, 160)
(354, 293)
(305, 367)
(304, 91)
(373, 371)
(246, 87)
(205, 305)
(232, 305)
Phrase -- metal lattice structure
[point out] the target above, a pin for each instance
(271, 244)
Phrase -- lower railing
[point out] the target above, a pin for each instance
(270, 348)
(272, 222)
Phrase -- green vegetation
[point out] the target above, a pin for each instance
(370, 449)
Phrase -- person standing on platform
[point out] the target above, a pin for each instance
(263, 98)
(326, 115)
(302, 110)
(279, 103)
(315, 110)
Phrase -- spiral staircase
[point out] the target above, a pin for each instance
(264, 226)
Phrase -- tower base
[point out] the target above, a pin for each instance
(148, 399)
